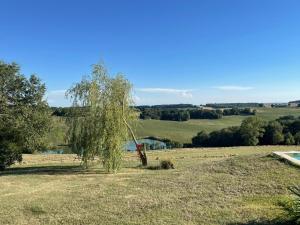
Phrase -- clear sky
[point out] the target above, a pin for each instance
(173, 51)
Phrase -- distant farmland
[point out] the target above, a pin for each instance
(180, 131)
(184, 131)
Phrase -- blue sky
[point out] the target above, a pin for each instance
(172, 51)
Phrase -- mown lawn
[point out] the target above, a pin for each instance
(207, 186)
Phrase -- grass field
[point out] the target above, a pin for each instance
(207, 186)
(180, 131)
(184, 131)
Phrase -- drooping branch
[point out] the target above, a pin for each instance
(128, 126)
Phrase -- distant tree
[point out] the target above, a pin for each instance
(294, 127)
(24, 114)
(225, 137)
(273, 134)
(289, 139)
(252, 129)
(101, 131)
(222, 138)
(184, 116)
(297, 138)
(200, 140)
(205, 114)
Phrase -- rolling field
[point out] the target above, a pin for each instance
(274, 113)
(184, 131)
(179, 131)
(208, 186)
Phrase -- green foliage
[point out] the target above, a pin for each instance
(101, 131)
(205, 114)
(201, 139)
(179, 114)
(297, 138)
(9, 154)
(295, 209)
(24, 115)
(251, 131)
(171, 144)
(289, 139)
(292, 205)
(233, 105)
(273, 134)
(226, 137)
(294, 127)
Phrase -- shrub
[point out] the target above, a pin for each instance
(297, 138)
(289, 139)
(273, 134)
(201, 139)
(294, 207)
(252, 129)
(166, 164)
(9, 154)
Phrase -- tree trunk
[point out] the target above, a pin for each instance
(139, 147)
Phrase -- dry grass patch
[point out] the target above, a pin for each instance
(207, 186)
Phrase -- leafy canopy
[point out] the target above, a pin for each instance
(24, 115)
(101, 130)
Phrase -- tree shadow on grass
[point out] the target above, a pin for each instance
(270, 222)
(50, 170)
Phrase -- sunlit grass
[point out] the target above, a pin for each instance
(207, 186)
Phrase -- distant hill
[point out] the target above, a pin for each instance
(234, 105)
(168, 106)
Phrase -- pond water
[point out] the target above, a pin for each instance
(56, 151)
(130, 146)
(150, 144)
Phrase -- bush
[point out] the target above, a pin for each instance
(166, 164)
(201, 139)
(295, 210)
(297, 138)
(273, 134)
(9, 155)
(252, 130)
(10, 146)
(289, 139)
(223, 138)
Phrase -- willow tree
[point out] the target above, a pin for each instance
(101, 104)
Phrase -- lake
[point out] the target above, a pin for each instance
(130, 146)
(150, 144)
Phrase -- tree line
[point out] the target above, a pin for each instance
(250, 105)
(253, 131)
(165, 113)
(186, 114)
(168, 106)
(234, 105)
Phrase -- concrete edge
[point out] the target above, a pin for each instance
(284, 155)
